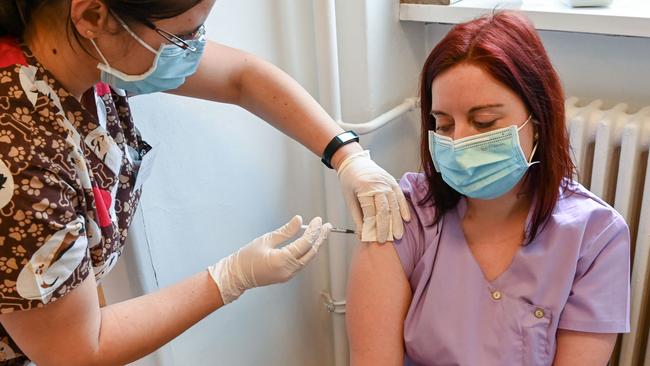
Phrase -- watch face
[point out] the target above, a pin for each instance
(336, 143)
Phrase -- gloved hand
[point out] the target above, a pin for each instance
(263, 262)
(374, 198)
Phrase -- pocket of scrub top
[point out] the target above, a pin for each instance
(141, 160)
(136, 155)
(535, 322)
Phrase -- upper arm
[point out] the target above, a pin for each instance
(600, 295)
(218, 77)
(64, 332)
(597, 308)
(582, 348)
(49, 310)
(377, 302)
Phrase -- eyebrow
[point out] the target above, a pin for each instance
(485, 106)
(471, 110)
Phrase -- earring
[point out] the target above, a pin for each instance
(90, 33)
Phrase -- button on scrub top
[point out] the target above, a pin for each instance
(574, 275)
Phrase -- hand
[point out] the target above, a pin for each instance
(263, 261)
(374, 198)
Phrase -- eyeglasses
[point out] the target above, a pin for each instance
(180, 41)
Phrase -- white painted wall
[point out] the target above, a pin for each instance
(223, 176)
(611, 68)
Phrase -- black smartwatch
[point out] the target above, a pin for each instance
(336, 143)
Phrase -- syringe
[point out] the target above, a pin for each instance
(335, 230)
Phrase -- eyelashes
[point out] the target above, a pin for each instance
(479, 125)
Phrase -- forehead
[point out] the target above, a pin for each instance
(189, 20)
(466, 85)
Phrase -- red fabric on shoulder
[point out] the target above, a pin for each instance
(102, 89)
(11, 53)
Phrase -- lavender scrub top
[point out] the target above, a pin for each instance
(575, 275)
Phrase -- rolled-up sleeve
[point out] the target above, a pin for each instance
(44, 252)
(411, 247)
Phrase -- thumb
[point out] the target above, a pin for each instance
(325, 230)
(301, 246)
(286, 232)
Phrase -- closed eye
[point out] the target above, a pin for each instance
(444, 128)
(483, 125)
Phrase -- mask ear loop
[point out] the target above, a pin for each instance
(135, 36)
(529, 160)
(536, 137)
(525, 123)
(100, 53)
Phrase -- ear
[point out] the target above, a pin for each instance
(92, 18)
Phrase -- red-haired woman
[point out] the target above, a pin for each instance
(506, 261)
(72, 166)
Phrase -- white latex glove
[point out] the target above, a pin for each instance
(374, 198)
(263, 262)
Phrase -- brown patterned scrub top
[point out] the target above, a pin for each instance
(67, 185)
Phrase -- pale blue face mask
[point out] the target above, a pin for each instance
(170, 68)
(485, 165)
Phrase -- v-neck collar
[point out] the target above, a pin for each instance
(461, 210)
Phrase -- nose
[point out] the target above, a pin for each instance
(462, 129)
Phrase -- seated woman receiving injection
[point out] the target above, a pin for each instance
(507, 260)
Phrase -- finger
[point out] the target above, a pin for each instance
(286, 232)
(325, 231)
(383, 217)
(355, 210)
(396, 218)
(403, 203)
(368, 230)
(301, 246)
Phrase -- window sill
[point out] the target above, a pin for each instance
(623, 17)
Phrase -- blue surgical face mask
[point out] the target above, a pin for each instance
(170, 68)
(485, 165)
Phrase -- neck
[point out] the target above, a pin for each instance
(501, 208)
(62, 57)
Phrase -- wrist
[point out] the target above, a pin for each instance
(337, 143)
(225, 275)
(345, 151)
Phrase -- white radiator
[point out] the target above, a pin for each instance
(610, 149)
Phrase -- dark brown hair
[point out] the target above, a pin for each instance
(506, 46)
(16, 14)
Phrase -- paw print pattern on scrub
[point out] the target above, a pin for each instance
(67, 187)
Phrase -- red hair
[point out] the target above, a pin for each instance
(507, 47)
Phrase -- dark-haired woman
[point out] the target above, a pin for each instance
(69, 157)
(507, 261)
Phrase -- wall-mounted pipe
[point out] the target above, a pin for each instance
(408, 105)
(330, 98)
(335, 209)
